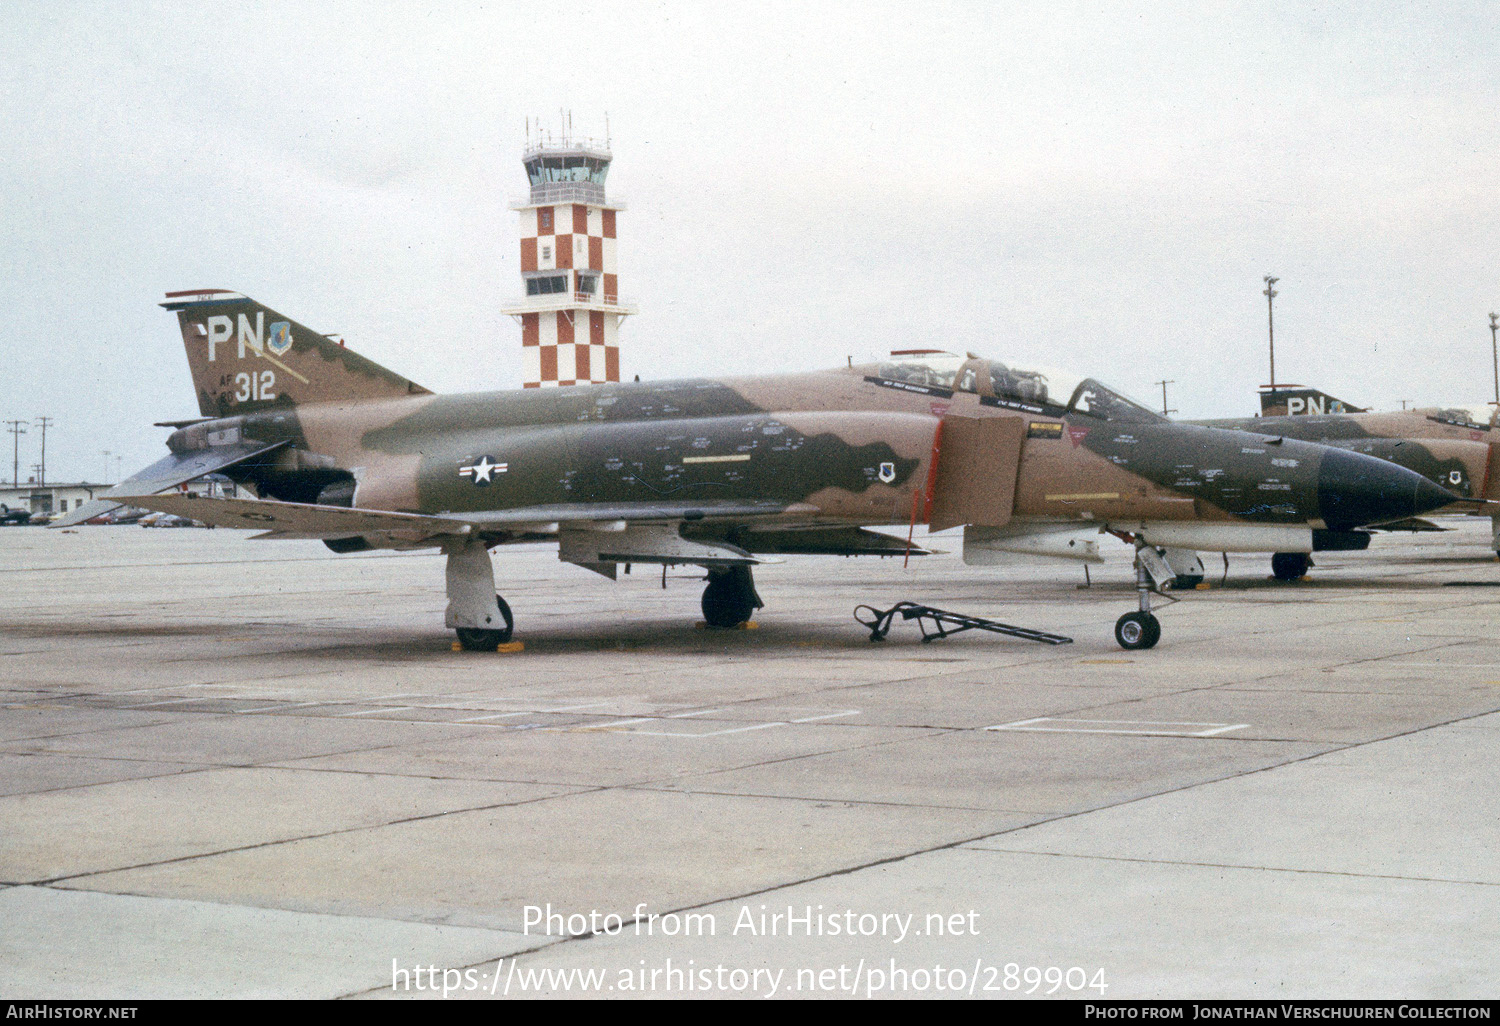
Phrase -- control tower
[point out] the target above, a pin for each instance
(570, 310)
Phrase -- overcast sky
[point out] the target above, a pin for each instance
(1094, 186)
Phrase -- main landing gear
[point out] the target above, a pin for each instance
(1289, 566)
(730, 597)
(1140, 629)
(481, 619)
(480, 639)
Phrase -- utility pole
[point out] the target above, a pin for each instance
(1270, 295)
(42, 423)
(106, 454)
(17, 428)
(1495, 351)
(1164, 411)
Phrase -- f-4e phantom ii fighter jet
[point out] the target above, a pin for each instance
(1453, 447)
(717, 473)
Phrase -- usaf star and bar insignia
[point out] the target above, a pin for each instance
(483, 470)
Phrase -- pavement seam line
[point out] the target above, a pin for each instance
(50, 881)
(1244, 868)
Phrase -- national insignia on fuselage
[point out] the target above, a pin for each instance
(482, 470)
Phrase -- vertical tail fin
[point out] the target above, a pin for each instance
(247, 357)
(1301, 401)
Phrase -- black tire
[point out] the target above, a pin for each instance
(727, 602)
(1288, 566)
(1137, 630)
(482, 639)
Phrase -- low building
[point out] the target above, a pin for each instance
(51, 498)
(63, 498)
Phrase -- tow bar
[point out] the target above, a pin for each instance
(945, 623)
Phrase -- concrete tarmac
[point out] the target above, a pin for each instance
(242, 768)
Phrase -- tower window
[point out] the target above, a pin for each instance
(588, 283)
(546, 286)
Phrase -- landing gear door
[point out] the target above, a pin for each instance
(978, 459)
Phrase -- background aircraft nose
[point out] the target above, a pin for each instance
(1355, 489)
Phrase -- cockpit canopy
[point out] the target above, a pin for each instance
(1056, 392)
(1480, 417)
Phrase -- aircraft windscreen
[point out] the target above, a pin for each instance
(1096, 399)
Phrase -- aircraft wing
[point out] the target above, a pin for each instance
(302, 520)
(173, 470)
(305, 520)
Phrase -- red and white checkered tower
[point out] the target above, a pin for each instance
(571, 311)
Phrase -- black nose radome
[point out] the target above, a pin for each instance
(1355, 490)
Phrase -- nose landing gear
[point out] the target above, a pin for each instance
(1141, 629)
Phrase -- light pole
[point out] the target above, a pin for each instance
(106, 454)
(1270, 295)
(1495, 353)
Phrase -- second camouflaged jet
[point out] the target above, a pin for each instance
(718, 473)
(1452, 447)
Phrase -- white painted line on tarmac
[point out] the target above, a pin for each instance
(741, 730)
(827, 716)
(1168, 728)
(734, 730)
